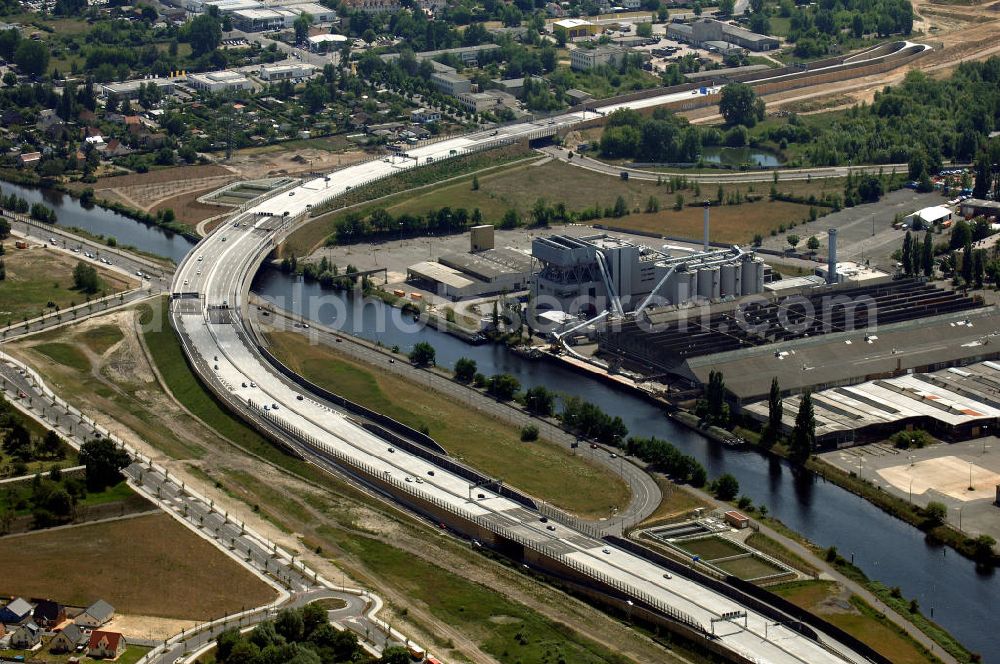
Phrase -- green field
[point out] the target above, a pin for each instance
(504, 629)
(40, 279)
(711, 548)
(861, 620)
(541, 469)
(748, 568)
(519, 187)
(65, 354)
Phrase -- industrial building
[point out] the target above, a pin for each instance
(477, 102)
(954, 403)
(928, 217)
(483, 270)
(326, 42)
(264, 19)
(219, 81)
(577, 27)
(977, 207)
(707, 32)
(585, 59)
(586, 274)
(817, 337)
(293, 72)
(130, 89)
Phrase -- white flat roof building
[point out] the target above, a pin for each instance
(319, 13)
(329, 42)
(292, 72)
(931, 215)
(219, 81)
(259, 20)
(229, 6)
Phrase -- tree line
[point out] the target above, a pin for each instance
(299, 636)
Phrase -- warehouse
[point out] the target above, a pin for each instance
(293, 72)
(326, 42)
(976, 207)
(576, 28)
(130, 89)
(219, 81)
(827, 336)
(952, 404)
(928, 217)
(261, 20)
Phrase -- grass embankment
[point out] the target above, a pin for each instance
(399, 187)
(675, 504)
(165, 348)
(856, 617)
(541, 469)
(503, 628)
(148, 565)
(888, 595)
(40, 280)
(106, 381)
(438, 583)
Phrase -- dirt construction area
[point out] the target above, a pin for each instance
(148, 565)
(292, 159)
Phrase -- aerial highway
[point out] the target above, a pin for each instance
(209, 303)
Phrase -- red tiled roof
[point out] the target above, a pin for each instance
(97, 635)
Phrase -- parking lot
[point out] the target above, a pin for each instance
(942, 472)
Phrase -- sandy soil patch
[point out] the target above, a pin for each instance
(147, 627)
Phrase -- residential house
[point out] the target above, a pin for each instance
(26, 636)
(30, 158)
(106, 645)
(97, 614)
(15, 612)
(116, 148)
(68, 639)
(49, 613)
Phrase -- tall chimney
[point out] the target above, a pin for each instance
(831, 267)
(705, 241)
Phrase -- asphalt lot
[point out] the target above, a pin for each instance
(855, 240)
(975, 512)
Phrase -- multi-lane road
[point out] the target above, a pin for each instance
(209, 309)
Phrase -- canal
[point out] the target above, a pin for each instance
(886, 548)
(99, 221)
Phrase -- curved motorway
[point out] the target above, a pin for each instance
(208, 310)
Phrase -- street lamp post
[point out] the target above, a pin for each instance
(971, 486)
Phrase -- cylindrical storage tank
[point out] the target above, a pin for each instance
(680, 290)
(759, 275)
(708, 283)
(728, 286)
(738, 274)
(749, 277)
(716, 283)
(688, 284)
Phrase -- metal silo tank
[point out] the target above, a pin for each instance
(749, 277)
(728, 285)
(759, 276)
